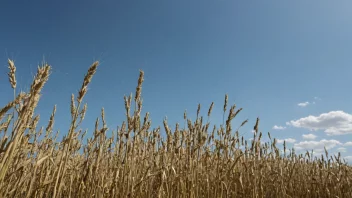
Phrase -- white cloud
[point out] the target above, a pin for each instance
(318, 152)
(303, 104)
(288, 140)
(317, 146)
(348, 158)
(341, 149)
(333, 123)
(309, 136)
(275, 127)
(316, 99)
(348, 144)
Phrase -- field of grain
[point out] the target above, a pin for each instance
(197, 159)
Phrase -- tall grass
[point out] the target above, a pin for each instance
(197, 160)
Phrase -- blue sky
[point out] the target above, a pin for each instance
(268, 56)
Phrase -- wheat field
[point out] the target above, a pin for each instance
(197, 159)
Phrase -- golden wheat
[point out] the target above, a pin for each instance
(136, 161)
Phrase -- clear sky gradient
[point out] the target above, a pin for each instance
(268, 56)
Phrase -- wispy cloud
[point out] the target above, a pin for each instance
(309, 136)
(303, 104)
(333, 123)
(348, 158)
(342, 150)
(275, 127)
(288, 140)
(317, 146)
(348, 144)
